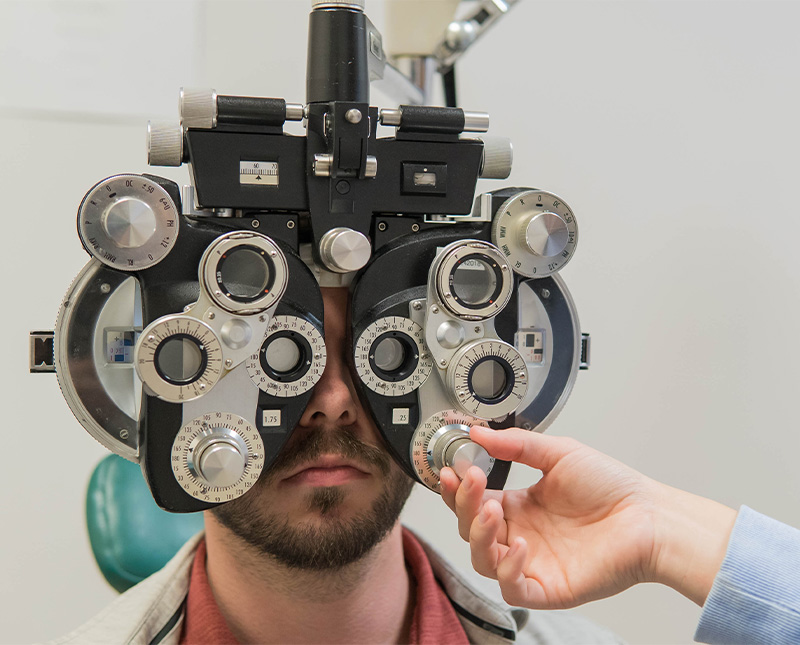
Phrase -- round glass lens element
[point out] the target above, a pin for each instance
(489, 380)
(244, 273)
(390, 354)
(474, 281)
(283, 355)
(180, 359)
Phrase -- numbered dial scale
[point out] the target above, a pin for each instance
(217, 457)
(128, 222)
(291, 359)
(390, 357)
(443, 440)
(537, 232)
(178, 358)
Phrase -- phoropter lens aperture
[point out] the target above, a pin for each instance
(180, 359)
(245, 273)
(393, 356)
(474, 281)
(491, 380)
(285, 356)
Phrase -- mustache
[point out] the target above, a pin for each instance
(342, 441)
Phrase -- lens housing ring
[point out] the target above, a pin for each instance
(453, 258)
(221, 249)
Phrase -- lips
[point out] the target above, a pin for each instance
(328, 470)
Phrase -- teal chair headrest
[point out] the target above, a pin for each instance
(131, 536)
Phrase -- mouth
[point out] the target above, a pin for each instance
(328, 470)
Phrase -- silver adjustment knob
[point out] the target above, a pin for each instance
(219, 458)
(462, 454)
(221, 464)
(451, 446)
(164, 144)
(343, 250)
(545, 234)
(498, 157)
(355, 5)
(129, 223)
(198, 108)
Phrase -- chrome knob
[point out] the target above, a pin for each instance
(544, 234)
(198, 108)
(343, 250)
(451, 446)
(218, 457)
(129, 223)
(164, 144)
(498, 157)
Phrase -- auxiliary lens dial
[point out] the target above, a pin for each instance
(390, 356)
(179, 358)
(443, 440)
(217, 457)
(291, 359)
(128, 222)
(537, 232)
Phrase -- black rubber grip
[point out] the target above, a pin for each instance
(250, 110)
(433, 120)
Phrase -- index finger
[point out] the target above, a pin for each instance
(524, 446)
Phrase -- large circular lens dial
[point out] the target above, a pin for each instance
(537, 232)
(291, 359)
(244, 272)
(128, 222)
(390, 356)
(488, 378)
(443, 440)
(473, 280)
(217, 457)
(178, 358)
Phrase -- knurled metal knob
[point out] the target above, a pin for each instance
(452, 447)
(164, 144)
(220, 462)
(343, 250)
(198, 108)
(498, 157)
(545, 234)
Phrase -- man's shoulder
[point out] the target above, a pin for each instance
(487, 618)
(151, 611)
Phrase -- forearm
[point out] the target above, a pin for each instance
(691, 538)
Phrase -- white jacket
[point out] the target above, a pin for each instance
(152, 612)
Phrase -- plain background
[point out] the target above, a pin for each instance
(671, 128)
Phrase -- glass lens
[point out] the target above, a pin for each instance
(244, 273)
(180, 359)
(489, 380)
(474, 281)
(283, 355)
(389, 355)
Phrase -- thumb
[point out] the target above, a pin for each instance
(524, 446)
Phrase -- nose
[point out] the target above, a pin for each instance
(333, 401)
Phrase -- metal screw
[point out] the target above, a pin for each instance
(342, 187)
(353, 115)
(262, 319)
(521, 375)
(415, 227)
(202, 386)
(477, 329)
(151, 338)
(228, 362)
(416, 305)
(448, 295)
(504, 267)
(382, 226)
(211, 315)
(255, 223)
(290, 224)
(317, 356)
(273, 254)
(105, 287)
(186, 308)
(123, 434)
(527, 426)
(435, 309)
(545, 293)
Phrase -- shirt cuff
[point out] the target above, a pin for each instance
(755, 597)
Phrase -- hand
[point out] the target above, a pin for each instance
(590, 528)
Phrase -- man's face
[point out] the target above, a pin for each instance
(333, 492)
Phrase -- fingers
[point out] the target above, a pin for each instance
(519, 590)
(530, 448)
(485, 549)
(469, 499)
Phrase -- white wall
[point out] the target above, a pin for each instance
(671, 129)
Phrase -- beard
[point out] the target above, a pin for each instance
(336, 542)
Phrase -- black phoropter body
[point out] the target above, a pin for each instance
(457, 316)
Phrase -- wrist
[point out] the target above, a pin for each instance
(691, 538)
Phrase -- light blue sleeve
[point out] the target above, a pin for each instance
(755, 597)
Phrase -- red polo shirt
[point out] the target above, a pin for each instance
(434, 621)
